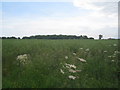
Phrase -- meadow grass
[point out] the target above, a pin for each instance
(48, 57)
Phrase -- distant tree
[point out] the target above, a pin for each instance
(85, 37)
(25, 37)
(12, 38)
(100, 36)
(91, 38)
(3, 37)
(18, 37)
(111, 38)
(57, 37)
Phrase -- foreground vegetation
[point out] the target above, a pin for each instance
(49, 59)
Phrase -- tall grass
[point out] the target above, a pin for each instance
(48, 57)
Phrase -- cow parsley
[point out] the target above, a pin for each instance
(66, 57)
(22, 59)
(62, 71)
(81, 59)
(71, 77)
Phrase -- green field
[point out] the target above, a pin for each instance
(48, 60)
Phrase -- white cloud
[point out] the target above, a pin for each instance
(102, 15)
(104, 7)
(58, 0)
(85, 25)
(86, 5)
(101, 20)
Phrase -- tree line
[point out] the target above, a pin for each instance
(51, 37)
(10, 37)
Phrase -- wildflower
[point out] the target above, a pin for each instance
(109, 56)
(113, 60)
(115, 45)
(67, 67)
(113, 56)
(60, 63)
(70, 66)
(71, 77)
(63, 66)
(81, 59)
(74, 54)
(78, 70)
(116, 52)
(22, 59)
(105, 51)
(71, 70)
(81, 48)
(92, 78)
(62, 71)
(87, 49)
(66, 57)
(25, 55)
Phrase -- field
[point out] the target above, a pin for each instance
(60, 64)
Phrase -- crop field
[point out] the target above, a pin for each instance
(60, 63)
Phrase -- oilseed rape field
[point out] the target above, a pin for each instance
(35, 63)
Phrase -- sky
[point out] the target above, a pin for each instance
(73, 17)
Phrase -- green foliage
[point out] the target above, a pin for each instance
(100, 36)
(51, 37)
(48, 57)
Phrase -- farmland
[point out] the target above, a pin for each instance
(58, 63)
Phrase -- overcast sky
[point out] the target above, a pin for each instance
(74, 17)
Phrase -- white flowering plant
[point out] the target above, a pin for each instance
(23, 59)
